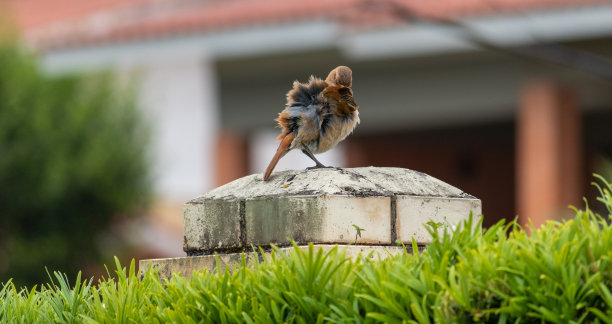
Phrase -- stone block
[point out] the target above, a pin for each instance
(318, 219)
(212, 225)
(415, 211)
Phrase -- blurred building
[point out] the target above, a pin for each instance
(510, 100)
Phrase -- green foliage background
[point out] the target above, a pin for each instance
(73, 154)
(561, 273)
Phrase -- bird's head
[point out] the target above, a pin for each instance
(341, 75)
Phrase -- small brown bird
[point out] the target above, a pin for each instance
(317, 116)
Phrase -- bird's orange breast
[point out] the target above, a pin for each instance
(338, 130)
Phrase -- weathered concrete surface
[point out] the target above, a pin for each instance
(187, 265)
(327, 219)
(360, 205)
(215, 224)
(368, 181)
(413, 211)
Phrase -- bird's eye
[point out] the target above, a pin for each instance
(345, 91)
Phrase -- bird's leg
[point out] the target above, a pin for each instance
(306, 151)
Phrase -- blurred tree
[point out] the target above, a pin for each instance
(73, 155)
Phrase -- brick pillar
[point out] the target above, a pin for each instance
(355, 155)
(548, 152)
(231, 157)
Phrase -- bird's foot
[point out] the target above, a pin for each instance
(319, 166)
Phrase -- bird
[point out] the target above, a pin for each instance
(317, 116)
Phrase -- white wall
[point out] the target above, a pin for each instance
(179, 99)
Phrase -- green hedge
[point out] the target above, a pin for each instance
(561, 273)
(73, 160)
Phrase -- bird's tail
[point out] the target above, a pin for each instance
(283, 148)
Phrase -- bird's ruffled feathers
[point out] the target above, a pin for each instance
(303, 96)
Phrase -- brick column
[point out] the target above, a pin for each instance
(548, 152)
(231, 157)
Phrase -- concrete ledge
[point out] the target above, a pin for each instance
(323, 206)
(187, 265)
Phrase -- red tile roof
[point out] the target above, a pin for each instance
(32, 14)
(68, 23)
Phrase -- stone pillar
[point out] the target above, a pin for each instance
(548, 152)
(362, 209)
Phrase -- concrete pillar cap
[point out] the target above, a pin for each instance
(369, 206)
